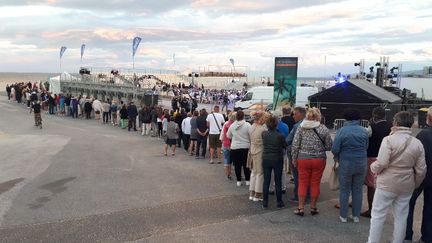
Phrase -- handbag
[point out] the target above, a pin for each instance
(334, 177)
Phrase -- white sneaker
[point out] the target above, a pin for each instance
(356, 219)
(247, 183)
(343, 220)
(251, 198)
(239, 183)
(257, 199)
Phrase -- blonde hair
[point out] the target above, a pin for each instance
(260, 116)
(233, 116)
(313, 114)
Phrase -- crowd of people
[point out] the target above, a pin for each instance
(385, 156)
(194, 94)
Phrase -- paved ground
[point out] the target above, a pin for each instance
(81, 181)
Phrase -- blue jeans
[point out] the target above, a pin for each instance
(74, 112)
(352, 173)
(226, 156)
(276, 167)
(426, 227)
(51, 109)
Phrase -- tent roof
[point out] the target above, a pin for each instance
(375, 90)
(368, 87)
(64, 76)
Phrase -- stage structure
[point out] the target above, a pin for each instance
(118, 84)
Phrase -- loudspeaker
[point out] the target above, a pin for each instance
(380, 77)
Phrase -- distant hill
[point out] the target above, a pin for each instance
(413, 73)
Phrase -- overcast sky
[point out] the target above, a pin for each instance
(327, 35)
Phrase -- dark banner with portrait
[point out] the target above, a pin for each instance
(285, 82)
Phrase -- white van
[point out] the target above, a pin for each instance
(264, 94)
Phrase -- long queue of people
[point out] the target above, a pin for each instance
(385, 157)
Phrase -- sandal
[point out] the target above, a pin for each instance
(299, 212)
(314, 211)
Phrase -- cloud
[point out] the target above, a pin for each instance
(423, 52)
(209, 32)
(380, 50)
(255, 6)
(102, 5)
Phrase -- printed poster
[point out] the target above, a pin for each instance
(285, 82)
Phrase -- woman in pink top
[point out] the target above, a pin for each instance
(226, 145)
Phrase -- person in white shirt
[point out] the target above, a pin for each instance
(186, 128)
(97, 107)
(215, 122)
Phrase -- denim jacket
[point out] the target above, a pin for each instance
(351, 141)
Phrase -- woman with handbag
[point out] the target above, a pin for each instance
(311, 141)
(400, 168)
(349, 150)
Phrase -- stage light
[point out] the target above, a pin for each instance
(340, 78)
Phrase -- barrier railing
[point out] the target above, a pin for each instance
(339, 123)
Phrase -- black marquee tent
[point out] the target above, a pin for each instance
(357, 94)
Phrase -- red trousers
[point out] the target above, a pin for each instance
(310, 172)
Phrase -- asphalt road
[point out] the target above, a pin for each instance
(82, 181)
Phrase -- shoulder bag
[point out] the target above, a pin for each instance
(217, 123)
(334, 177)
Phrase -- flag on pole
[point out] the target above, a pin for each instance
(135, 44)
(232, 61)
(62, 50)
(82, 50)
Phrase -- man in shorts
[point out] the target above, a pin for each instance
(215, 122)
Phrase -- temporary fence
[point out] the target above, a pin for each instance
(339, 123)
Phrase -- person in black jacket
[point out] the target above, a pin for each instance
(202, 135)
(123, 116)
(425, 137)
(174, 104)
(132, 115)
(145, 117)
(88, 108)
(8, 90)
(274, 145)
(287, 117)
(377, 130)
(179, 119)
(51, 104)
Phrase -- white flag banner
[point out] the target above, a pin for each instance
(82, 50)
(135, 44)
(232, 61)
(62, 51)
